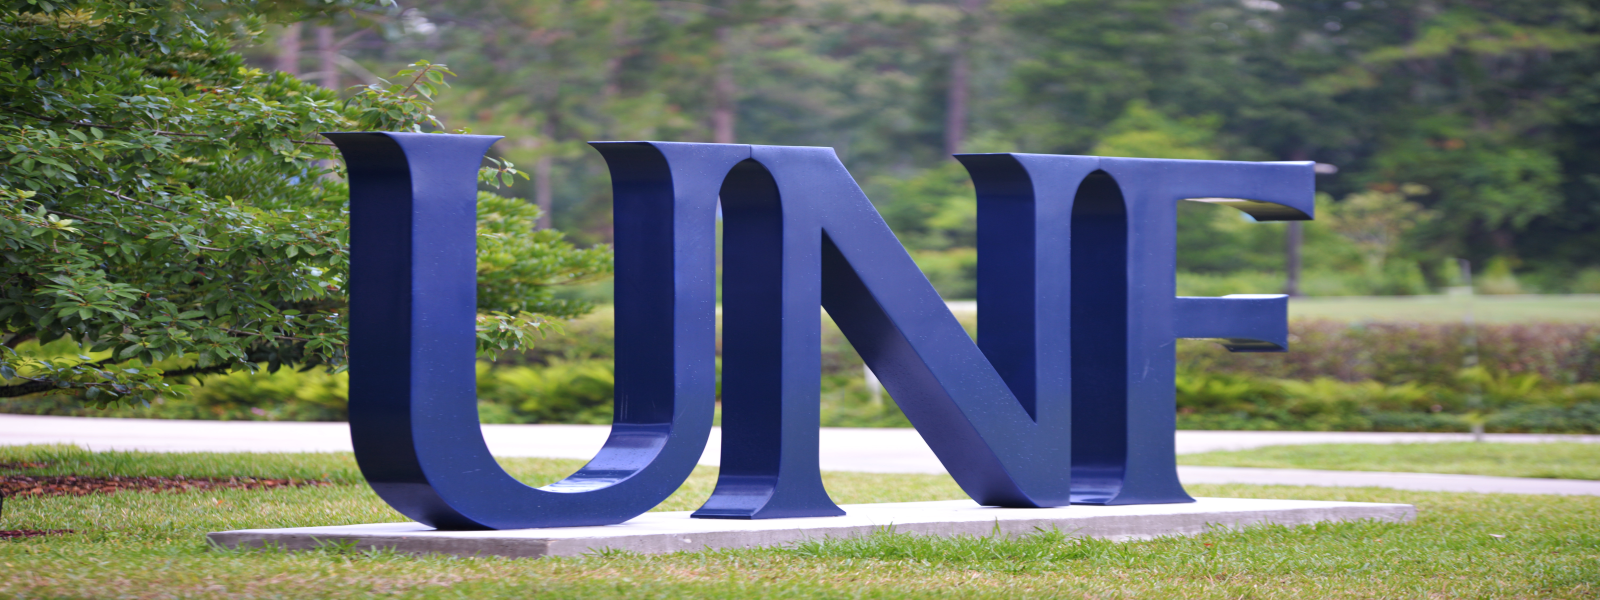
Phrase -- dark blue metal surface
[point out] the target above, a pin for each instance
(1141, 445)
(771, 355)
(799, 232)
(413, 408)
(1067, 396)
(1105, 300)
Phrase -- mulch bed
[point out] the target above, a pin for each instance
(28, 533)
(22, 486)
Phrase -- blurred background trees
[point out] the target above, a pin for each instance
(1443, 129)
(1492, 107)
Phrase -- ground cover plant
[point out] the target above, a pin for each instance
(1556, 460)
(1530, 377)
(148, 545)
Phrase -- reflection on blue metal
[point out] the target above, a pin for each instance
(413, 407)
(1066, 398)
(1077, 266)
(799, 232)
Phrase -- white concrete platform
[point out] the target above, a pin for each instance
(661, 532)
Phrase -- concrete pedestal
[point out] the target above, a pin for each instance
(660, 532)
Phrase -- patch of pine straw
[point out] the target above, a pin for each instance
(27, 533)
(22, 486)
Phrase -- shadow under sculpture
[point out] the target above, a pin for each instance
(1075, 254)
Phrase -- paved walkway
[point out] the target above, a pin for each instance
(842, 449)
(1424, 482)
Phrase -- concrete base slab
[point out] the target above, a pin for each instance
(662, 532)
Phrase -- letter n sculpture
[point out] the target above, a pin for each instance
(1067, 397)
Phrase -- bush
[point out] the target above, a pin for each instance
(1525, 404)
(1397, 353)
(1531, 377)
(559, 392)
(590, 337)
(953, 272)
(285, 395)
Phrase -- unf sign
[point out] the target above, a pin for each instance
(1067, 397)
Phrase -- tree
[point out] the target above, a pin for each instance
(172, 211)
(1487, 104)
(1375, 221)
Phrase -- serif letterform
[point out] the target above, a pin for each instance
(1067, 397)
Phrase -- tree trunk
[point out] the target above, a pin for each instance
(289, 49)
(328, 56)
(18, 338)
(543, 194)
(1291, 264)
(1293, 235)
(723, 91)
(28, 387)
(955, 116)
(619, 31)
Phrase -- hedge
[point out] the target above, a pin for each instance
(1529, 377)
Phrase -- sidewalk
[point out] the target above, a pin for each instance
(842, 449)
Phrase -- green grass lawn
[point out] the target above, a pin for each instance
(140, 545)
(1484, 309)
(1560, 460)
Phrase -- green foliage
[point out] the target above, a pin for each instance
(1374, 221)
(1361, 376)
(1143, 132)
(1241, 402)
(1491, 106)
(930, 210)
(953, 272)
(1498, 278)
(161, 201)
(559, 392)
(518, 268)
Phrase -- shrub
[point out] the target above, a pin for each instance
(286, 395)
(1532, 377)
(1524, 404)
(953, 272)
(559, 392)
(1395, 353)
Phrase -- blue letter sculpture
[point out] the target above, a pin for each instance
(413, 406)
(1076, 273)
(1066, 398)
